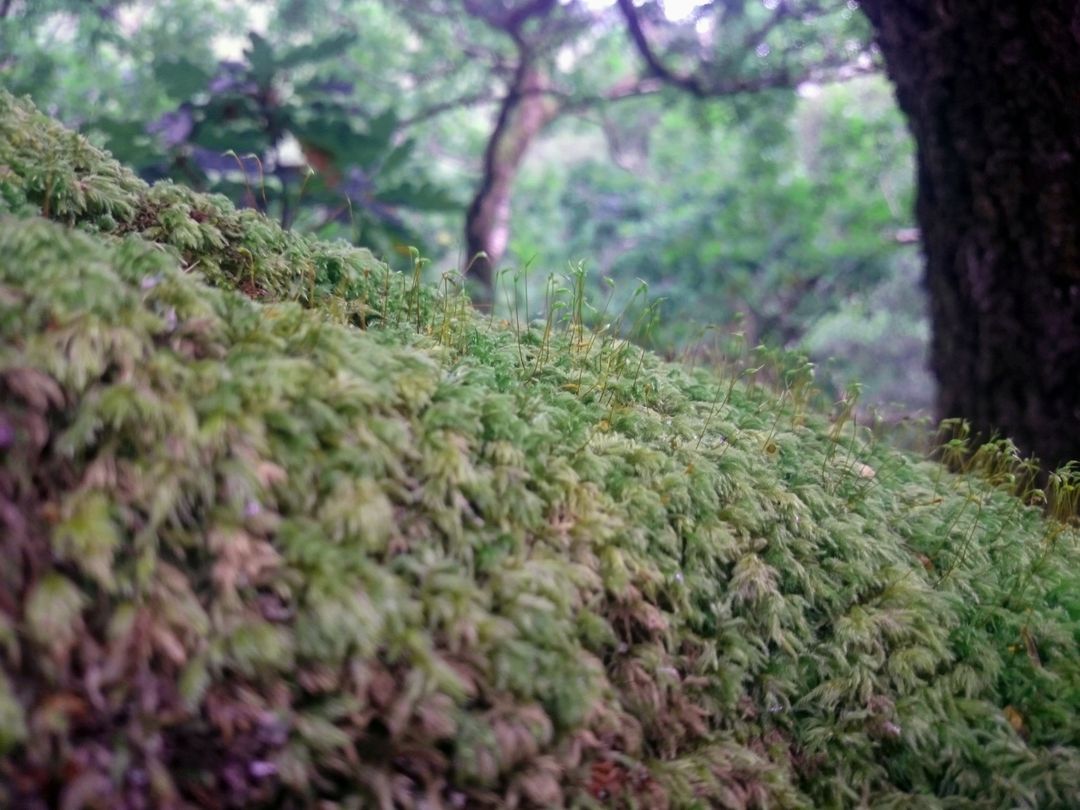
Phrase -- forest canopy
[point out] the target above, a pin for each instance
(777, 206)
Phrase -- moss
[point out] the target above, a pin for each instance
(281, 526)
(50, 171)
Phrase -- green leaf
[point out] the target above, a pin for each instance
(382, 127)
(181, 78)
(421, 196)
(397, 158)
(241, 137)
(260, 57)
(314, 52)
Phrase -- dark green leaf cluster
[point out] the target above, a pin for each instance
(282, 528)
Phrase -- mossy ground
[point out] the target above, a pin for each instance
(282, 528)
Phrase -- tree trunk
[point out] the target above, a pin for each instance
(524, 113)
(991, 90)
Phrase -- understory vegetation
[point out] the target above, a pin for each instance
(280, 526)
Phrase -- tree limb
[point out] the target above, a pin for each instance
(435, 110)
(522, 116)
(691, 84)
(842, 69)
(514, 19)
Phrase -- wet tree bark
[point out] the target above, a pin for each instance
(991, 91)
(524, 113)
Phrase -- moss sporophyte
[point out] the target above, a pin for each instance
(281, 527)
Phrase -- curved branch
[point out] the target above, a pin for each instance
(513, 20)
(435, 110)
(829, 70)
(691, 84)
(524, 113)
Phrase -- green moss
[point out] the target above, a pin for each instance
(260, 552)
(50, 171)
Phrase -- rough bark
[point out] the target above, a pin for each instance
(992, 94)
(524, 113)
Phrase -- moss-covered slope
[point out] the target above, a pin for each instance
(280, 527)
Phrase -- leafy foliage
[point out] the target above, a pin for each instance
(317, 532)
(78, 59)
(776, 219)
(282, 130)
(231, 132)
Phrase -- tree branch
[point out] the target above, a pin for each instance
(514, 20)
(759, 35)
(435, 110)
(691, 84)
(830, 70)
(523, 113)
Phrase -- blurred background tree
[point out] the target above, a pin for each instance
(990, 91)
(745, 159)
